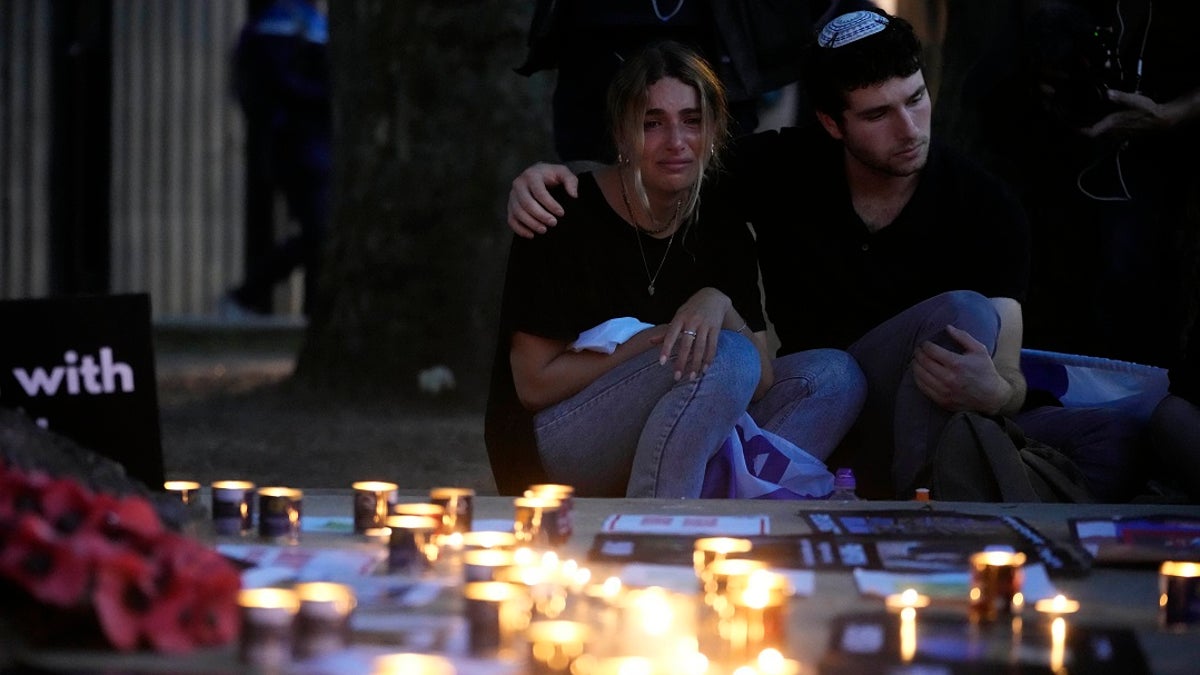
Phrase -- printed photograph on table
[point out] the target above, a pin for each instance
(1138, 541)
(949, 645)
(901, 541)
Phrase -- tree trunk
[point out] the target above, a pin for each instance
(430, 127)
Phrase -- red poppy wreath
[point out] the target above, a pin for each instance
(78, 558)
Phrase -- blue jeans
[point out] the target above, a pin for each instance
(814, 401)
(899, 426)
(638, 432)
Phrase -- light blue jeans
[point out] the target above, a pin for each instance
(814, 401)
(638, 432)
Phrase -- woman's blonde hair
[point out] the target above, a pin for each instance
(627, 97)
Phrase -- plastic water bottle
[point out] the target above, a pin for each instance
(844, 486)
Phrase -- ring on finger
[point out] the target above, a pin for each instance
(689, 332)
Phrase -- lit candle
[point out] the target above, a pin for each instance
(535, 521)
(907, 603)
(187, 491)
(458, 505)
(496, 613)
(323, 620)
(279, 512)
(232, 506)
(707, 550)
(906, 599)
(1057, 605)
(565, 494)
(412, 664)
(409, 543)
(1179, 594)
(488, 539)
(555, 645)
(266, 636)
(372, 501)
(996, 581)
(483, 564)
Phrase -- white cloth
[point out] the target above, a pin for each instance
(609, 335)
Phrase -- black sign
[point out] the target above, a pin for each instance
(83, 367)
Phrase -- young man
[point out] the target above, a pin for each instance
(873, 238)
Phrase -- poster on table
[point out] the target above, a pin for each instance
(83, 367)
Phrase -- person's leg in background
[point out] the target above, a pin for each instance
(814, 401)
(899, 426)
(1108, 445)
(1175, 431)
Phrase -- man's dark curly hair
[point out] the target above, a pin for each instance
(831, 72)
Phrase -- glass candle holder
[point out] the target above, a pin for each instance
(188, 491)
(760, 604)
(279, 513)
(1179, 594)
(496, 612)
(458, 506)
(232, 507)
(486, 564)
(323, 620)
(410, 543)
(996, 581)
(565, 494)
(708, 550)
(373, 501)
(267, 614)
(535, 521)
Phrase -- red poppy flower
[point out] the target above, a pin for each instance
(65, 504)
(121, 596)
(44, 564)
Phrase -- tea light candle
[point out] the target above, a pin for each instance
(323, 620)
(535, 521)
(409, 543)
(760, 602)
(496, 613)
(232, 506)
(188, 491)
(412, 664)
(565, 494)
(426, 509)
(1057, 605)
(707, 550)
(772, 662)
(372, 503)
(266, 636)
(1179, 594)
(996, 581)
(909, 598)
(377, 535)
(279, 513)
(484, 564)
(458, 507)
(555, 645)
(480, 539)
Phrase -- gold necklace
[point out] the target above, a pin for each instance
(655, 229)
(638, 233)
